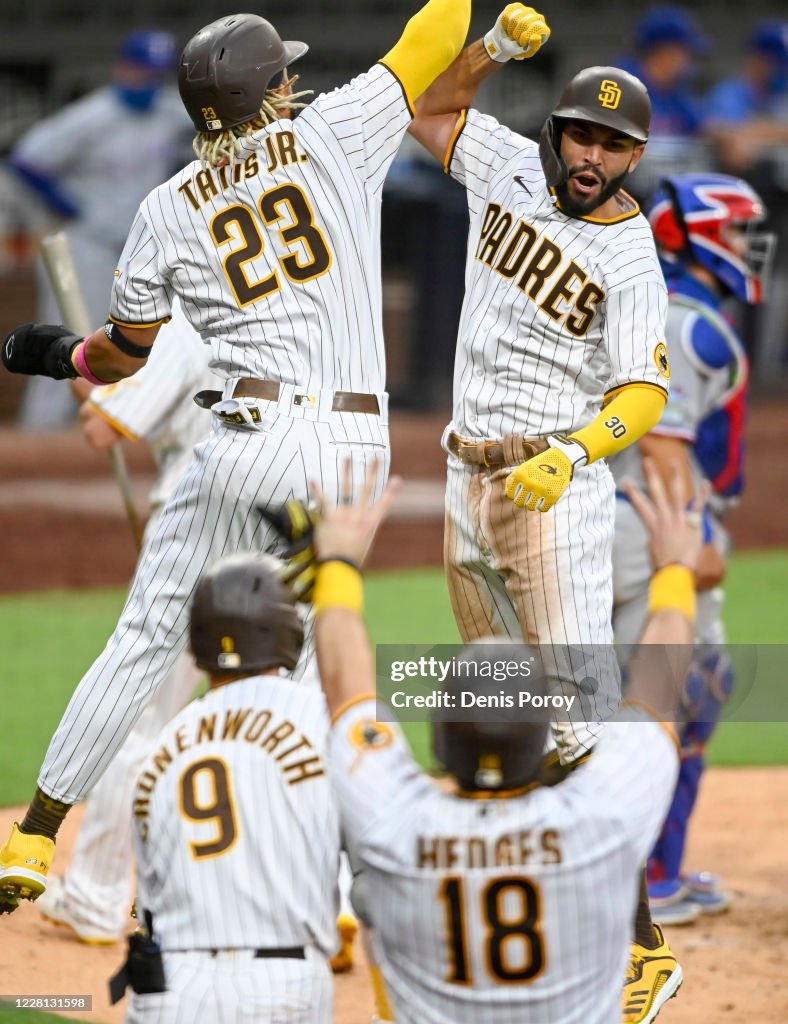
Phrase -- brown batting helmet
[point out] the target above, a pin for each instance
(226, 68)
(243, 618)
(603, 95)
(490, 748)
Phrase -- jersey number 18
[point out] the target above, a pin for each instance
(514, 946)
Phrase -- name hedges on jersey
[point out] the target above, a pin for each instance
(512, 849)
(545, 262)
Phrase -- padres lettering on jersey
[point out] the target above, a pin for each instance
(523, 905)
(558, 311)
(569, 284)
(228, 777)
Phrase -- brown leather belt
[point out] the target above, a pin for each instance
(269, 390)
(509, 451)
(285, 953)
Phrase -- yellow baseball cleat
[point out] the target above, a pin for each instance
(347, 926)
(24, 863)
(654, 977)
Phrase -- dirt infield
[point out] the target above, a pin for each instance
(62, 523)
(733, 963)
(62, 527)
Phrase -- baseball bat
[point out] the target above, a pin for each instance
(63, 275)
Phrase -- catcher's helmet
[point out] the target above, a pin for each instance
(711, 219)
(226, 68)
(603, 95)
(243, 618)
(496, 749)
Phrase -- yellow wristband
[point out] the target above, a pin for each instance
(673, 589)
(338, 585)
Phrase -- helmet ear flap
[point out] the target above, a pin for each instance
(671, 231)
(549, 143)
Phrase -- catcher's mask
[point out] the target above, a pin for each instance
(227, 67)
(491, 748)
(602, 95)
(715, 220)
(243, 618)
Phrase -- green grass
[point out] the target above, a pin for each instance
(48, 640)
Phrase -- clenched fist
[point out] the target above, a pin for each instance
(519, 33)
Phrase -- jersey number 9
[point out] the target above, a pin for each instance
(301, 235)
(206, 795)
(514, 946)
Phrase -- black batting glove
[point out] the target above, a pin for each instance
(42, 349)
(295, 524)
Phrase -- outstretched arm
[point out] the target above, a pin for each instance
(342, 538)
(518, 33)
(660, 663)
(432, 39)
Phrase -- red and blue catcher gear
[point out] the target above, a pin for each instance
(711, 219)
(709, 685)
(718, 444)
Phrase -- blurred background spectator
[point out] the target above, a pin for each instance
(668, 46)
(89, 165)
(747, 122)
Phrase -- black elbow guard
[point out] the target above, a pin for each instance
(42, 349)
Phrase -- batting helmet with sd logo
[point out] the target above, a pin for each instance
(243, 618)
(602, 95)
(226, 68)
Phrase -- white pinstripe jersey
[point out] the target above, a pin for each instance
(276, 258)
(558, 311)
(155, 404)
(236, 825)
(503, 910)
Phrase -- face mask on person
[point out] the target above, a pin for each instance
(139, 98)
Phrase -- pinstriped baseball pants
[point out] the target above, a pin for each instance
(212, 513)
(539, 578)
(234, 988)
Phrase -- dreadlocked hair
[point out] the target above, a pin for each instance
(214, 148)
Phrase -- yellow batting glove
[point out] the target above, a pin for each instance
(519, 33)
(538, 483)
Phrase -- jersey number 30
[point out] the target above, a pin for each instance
(309, 257)
(514, 947)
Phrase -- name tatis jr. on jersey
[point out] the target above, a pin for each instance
(559, 286)
(291, 750)
(280, 148)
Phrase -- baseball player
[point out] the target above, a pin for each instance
(236, 828)
(271, 242)
(91, 164)
(706, 227)
(561, 362)
(501, 900)
(154, 406)
(561, 358)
